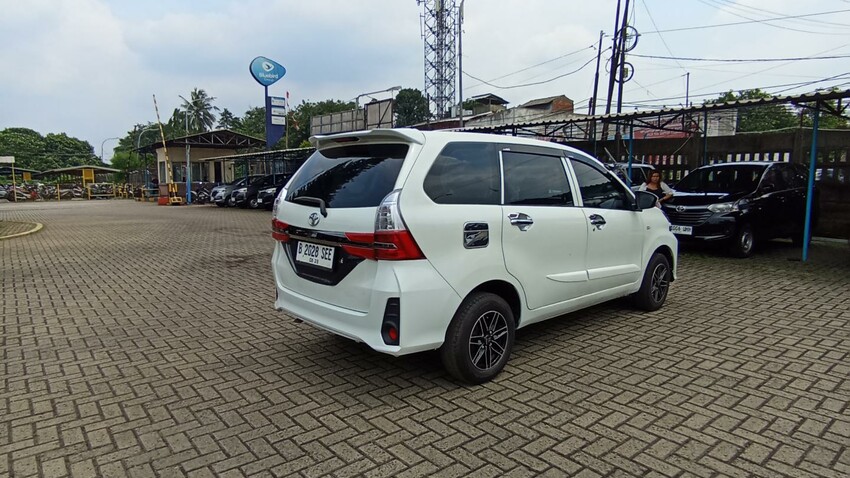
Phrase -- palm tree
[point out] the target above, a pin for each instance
(200, 110)
(228, 120)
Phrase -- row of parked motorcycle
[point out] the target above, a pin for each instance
(250, 192)
(36, 191)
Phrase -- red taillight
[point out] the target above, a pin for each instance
(279, 230)
(383, 246)
(392, 334)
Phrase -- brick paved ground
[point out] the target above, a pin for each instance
(141, 340)
(10, 228)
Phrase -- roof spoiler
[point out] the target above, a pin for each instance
(407, 135)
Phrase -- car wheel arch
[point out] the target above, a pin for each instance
(506, 291)
(666, 252)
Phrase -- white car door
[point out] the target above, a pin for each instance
(615, 231)
(544, 234)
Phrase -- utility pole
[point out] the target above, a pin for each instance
(622, 62)
(687, 88)
(615, 56)
(592, 107)
(460, 61)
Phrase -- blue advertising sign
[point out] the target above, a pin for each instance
(266, 71)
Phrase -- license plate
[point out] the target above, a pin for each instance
(684, 230)
(314, 254)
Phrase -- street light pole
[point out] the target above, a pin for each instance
(101, 146)
(138, 145)
(188, 162)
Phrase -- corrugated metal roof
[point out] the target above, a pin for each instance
(792, 99)
(80, 169)
(489, 96)
(542, 101)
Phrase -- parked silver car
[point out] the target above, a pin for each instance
(220, 195)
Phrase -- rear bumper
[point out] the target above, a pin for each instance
(427, 303)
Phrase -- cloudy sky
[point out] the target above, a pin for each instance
(89, 67)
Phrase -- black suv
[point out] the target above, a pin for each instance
(247, 197)
(741, 203)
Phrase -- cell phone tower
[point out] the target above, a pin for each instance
(439, 30)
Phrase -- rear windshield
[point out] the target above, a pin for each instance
(722, 179)
(360, 175)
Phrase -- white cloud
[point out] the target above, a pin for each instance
(89, 67)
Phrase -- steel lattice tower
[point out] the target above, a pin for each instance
(439, 30)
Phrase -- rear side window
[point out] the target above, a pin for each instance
(359, 175)
(465, 173)
(535, 180)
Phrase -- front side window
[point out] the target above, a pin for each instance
(597, 189)
(359, 175)
(465, 173)
(535, 180)
(773, 179)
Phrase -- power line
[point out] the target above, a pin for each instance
(663, 41)
(734, 5)
(706, 2)
(767, 20)
(534, 83)
(743, 60)
(536, 65)
(717, 93)
(780, 65)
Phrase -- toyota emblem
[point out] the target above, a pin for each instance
(314, 219)
(678, 209)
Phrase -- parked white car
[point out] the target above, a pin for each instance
(410, 241)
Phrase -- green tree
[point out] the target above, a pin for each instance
(228, 120)
(69, 151)
(27, 146)
(301, 116)
(827, 120)
(758, 118)
(253, 122)
(126, 161)
(200, 110)
(411, 107)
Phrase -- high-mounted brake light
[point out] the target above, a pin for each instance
(391, 240)
(279, 230)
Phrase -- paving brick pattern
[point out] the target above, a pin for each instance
(11, 228)
(141, 341)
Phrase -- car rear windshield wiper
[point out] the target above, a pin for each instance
(307, 200)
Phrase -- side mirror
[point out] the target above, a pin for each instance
(645, 200)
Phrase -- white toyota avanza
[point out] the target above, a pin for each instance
(410, 241)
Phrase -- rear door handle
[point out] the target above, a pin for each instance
(597, 221)
(521, 220)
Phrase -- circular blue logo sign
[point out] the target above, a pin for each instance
(266, 71)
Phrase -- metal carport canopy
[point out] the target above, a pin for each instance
(803, 100)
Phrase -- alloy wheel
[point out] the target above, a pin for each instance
(746, 241)
(659, 283)
(488, 340)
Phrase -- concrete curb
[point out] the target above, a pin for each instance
(37, 226)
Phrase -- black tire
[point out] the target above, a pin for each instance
(655, 285)
(252, 203)
(479, 339)
(221, 204)
(743, 243)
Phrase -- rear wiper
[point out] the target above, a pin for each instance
(307, 200)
